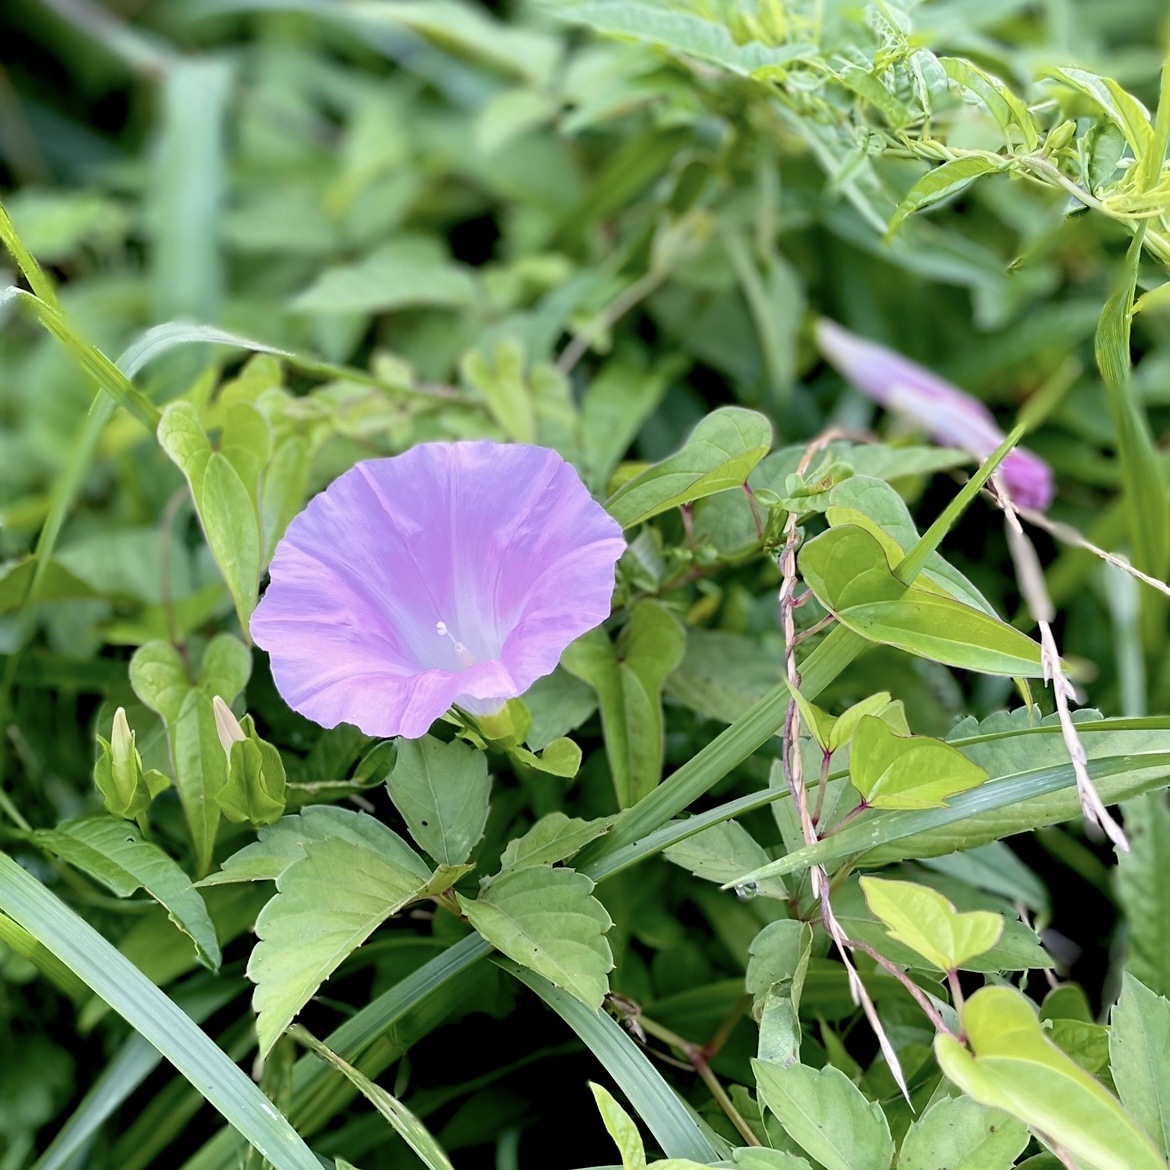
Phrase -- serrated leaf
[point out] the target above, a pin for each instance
(723, 852)
(1015, 1067)
(281, 844)
(1143, 887)
(945, 180)
(442, 791)
(682, 32)
(914, 771)
(555, 837)
(327, 904)
(1010, 803)
(779, 954)
(548, 920)
(114, 853)
(719, 455)
(961, 1134)
(1139, 1039)
(825, 1113)
(848, 571)
(926, 921)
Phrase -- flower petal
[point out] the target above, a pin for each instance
(497, 546)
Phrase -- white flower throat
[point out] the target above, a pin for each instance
(461, 651)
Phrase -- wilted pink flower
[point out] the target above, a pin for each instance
(950, 416)
(455, 573)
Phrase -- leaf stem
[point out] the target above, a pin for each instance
(919, 995)
(697, 1056)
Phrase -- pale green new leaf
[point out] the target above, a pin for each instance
(719, 455)
(500, 380)
(442, 791)
(1016, 1068)
(871, 503)
(1139, 1040)
(961, 1134)
(327, 904)
(825, 1113)
(620, 1126)
(114, 853)
(926, 921)
(896, 771)
(548, 920)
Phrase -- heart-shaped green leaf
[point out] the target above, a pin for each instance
(907, 771)
(927, 922)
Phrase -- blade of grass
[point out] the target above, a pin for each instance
(91, 359)
(150, 1012)
(674, 1126)
(882, 828)
(406, 1125)
(380, 1033)
(134, 1061)
(1144, 487)
(14, 936)
(41, 285)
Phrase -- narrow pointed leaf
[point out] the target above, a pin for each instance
(719, 455)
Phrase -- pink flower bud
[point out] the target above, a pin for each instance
(950, 416)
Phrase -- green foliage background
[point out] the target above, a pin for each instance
(588, 225)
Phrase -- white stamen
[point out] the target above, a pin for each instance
(461, 651)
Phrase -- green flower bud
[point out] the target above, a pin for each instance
(255, 786)
(126, 789)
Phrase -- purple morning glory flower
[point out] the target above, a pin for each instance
(950, 416)
(453, 574)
